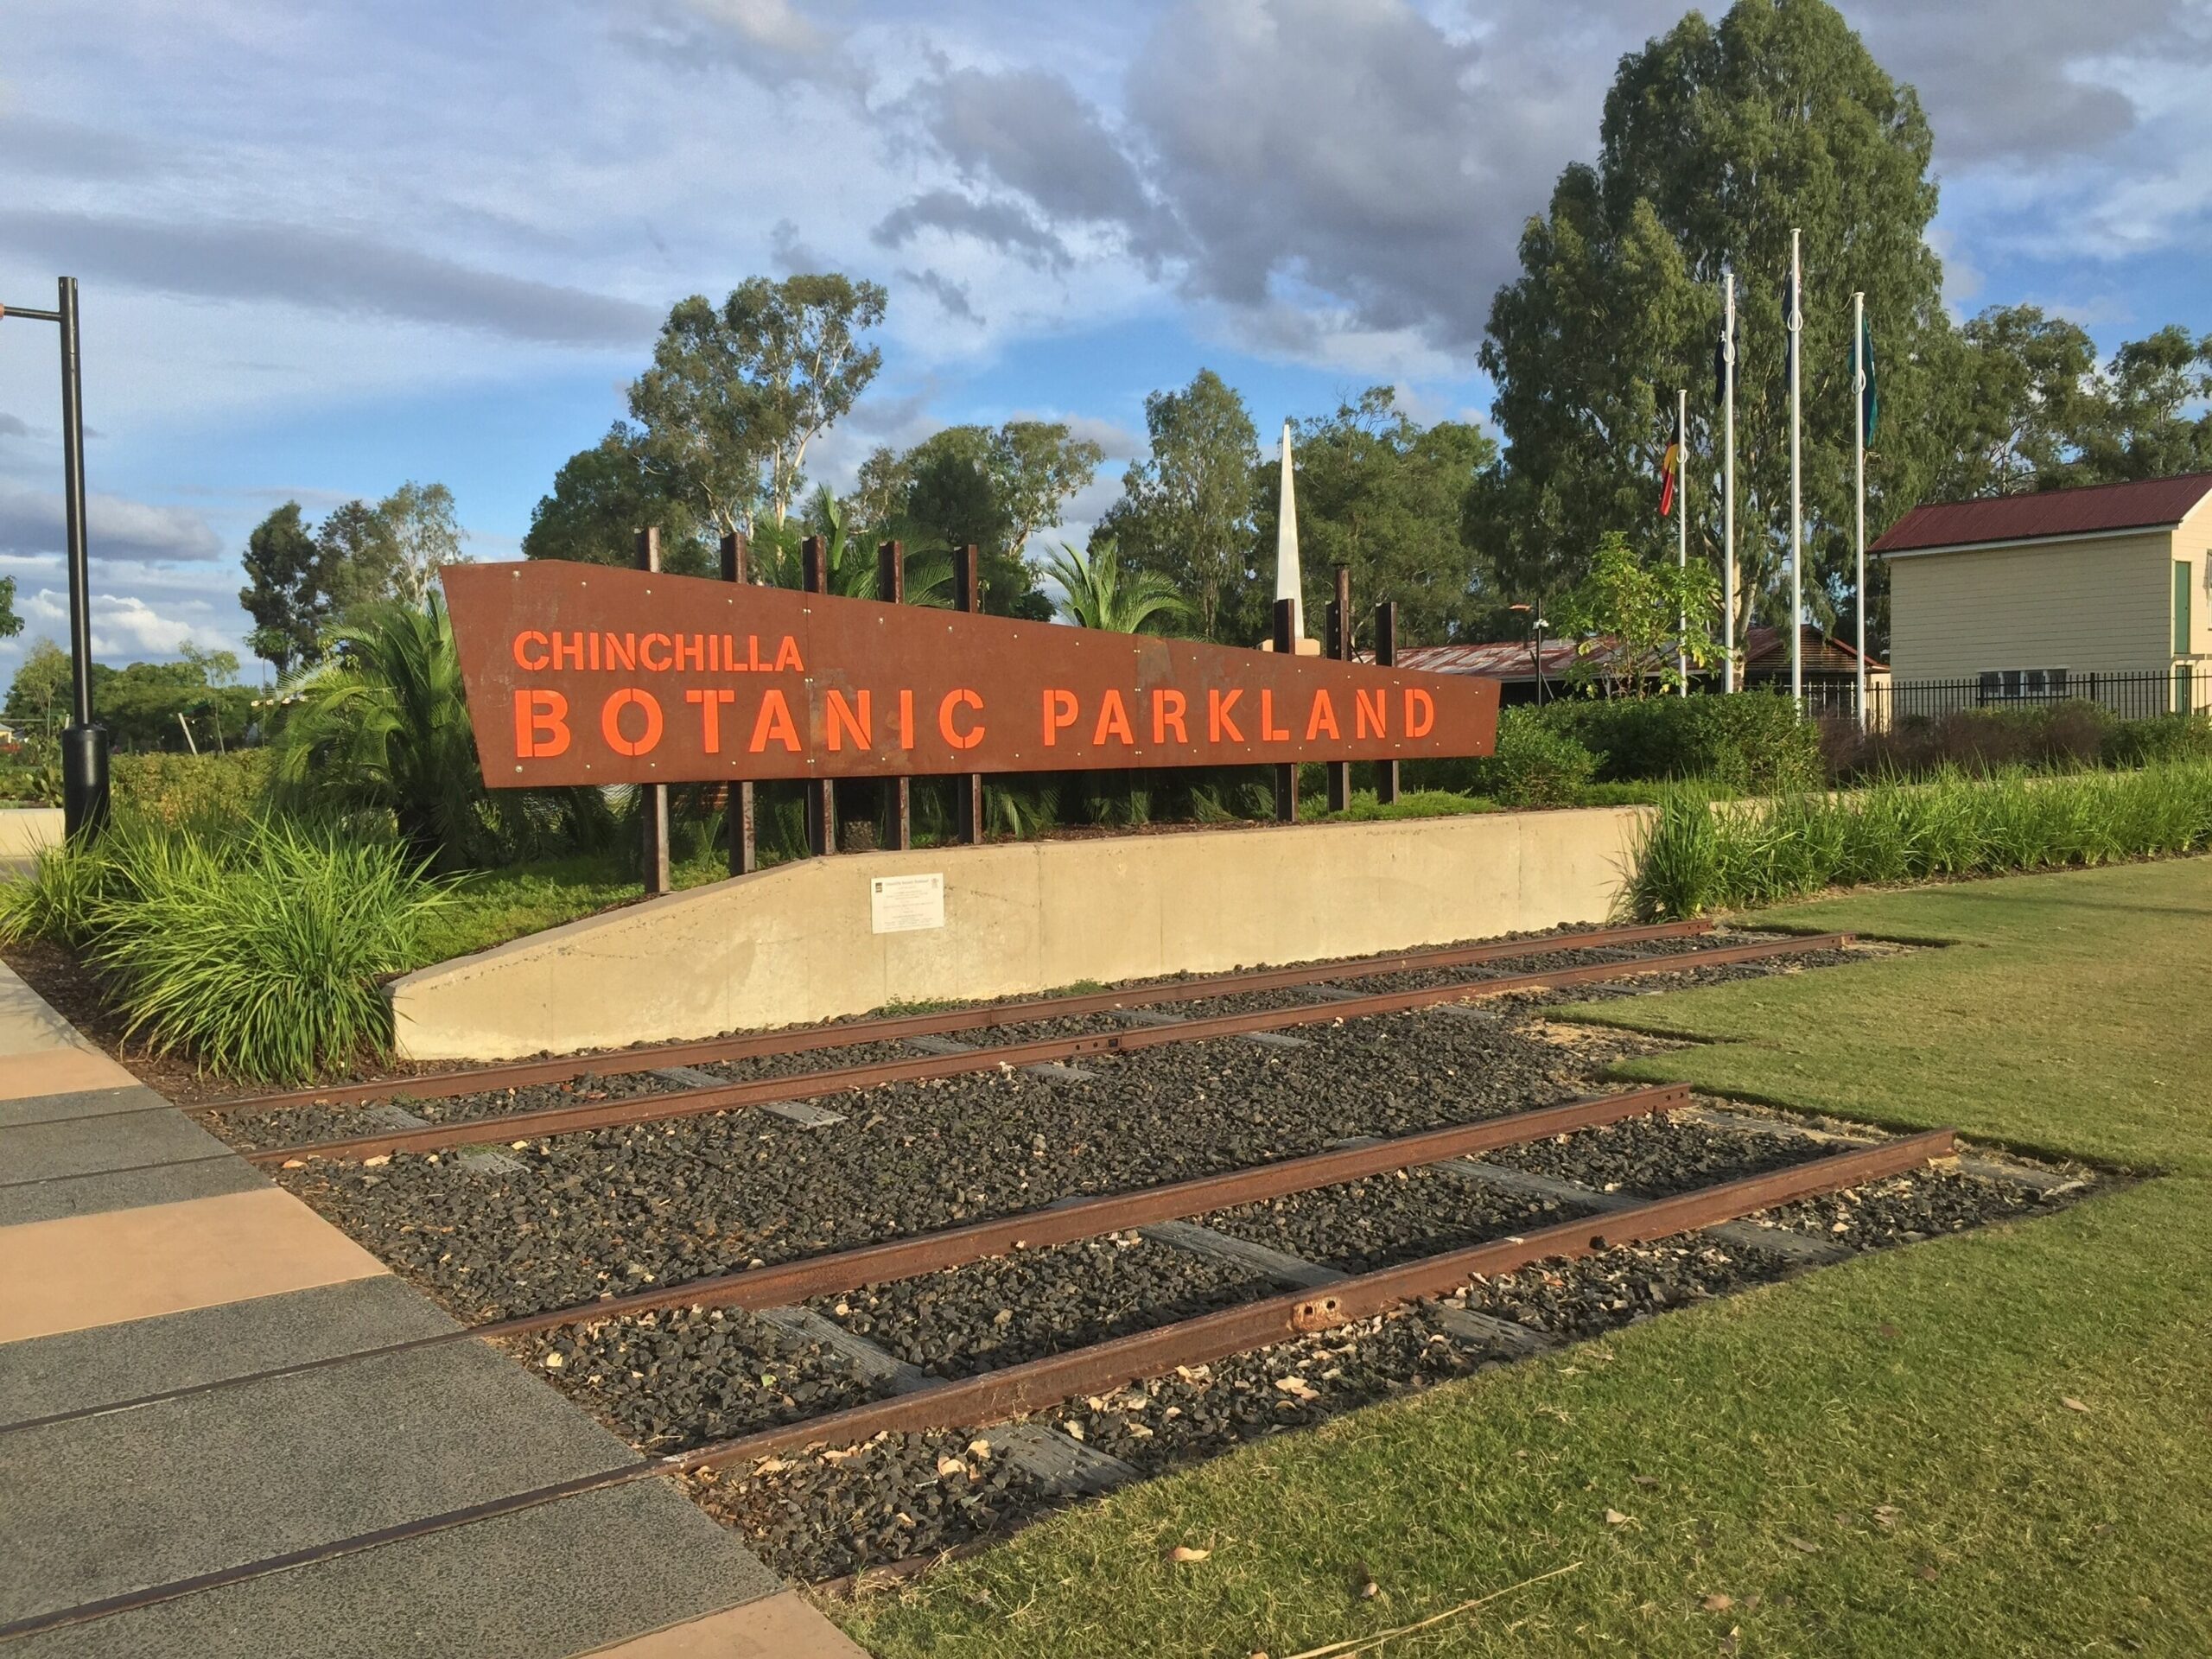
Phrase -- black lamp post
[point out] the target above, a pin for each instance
(84, 746)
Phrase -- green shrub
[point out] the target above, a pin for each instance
(2161, 737)
(209, 790)
(1750, 743)
(1534, 764)
(260, 955)
(1695, 855)
(1416, 804)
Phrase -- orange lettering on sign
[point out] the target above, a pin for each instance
(701, 652)
(1269, 732)
(1114, 720)
(1420, 712)
(1218, 720)
(1367, 708)
(838, 715)
(568, 652)
(774, 721)
(1060, 713)
(710, 700)
(610, 721)
(906, 718)
(729, 665)
(529, 637)
(1322, 718)
(787, 656)
(1168, 711)
(645, 653)
(953, 701)
(594, 651)
(622, 650)
(541, 725)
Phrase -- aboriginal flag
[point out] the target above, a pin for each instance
(1670, 468)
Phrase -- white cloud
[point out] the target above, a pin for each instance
(34, 521)
(126, 628)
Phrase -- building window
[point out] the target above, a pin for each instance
(2184, 634)
(2023, 684)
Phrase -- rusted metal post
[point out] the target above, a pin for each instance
(968, 596)
(898, 794)
(1286, 772)
(821, 793)
(1386, 656)
(1339, 648)
(744, 856)
(653, 799)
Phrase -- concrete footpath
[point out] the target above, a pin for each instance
(156, 1498)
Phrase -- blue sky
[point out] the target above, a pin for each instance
(328, 248)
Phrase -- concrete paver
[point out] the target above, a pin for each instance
(84, 1370)
(80, 1271)
(138, 1257)
(82, 1103)
(576, 1576)
(127, 1189)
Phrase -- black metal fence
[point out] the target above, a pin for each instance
(2130, 696)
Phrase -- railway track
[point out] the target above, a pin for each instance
(944, 1021)
(694, 1098)
(902, 1381)
(970, 1407)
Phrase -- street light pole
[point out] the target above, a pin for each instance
(84, 746)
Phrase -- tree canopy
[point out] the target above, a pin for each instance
(302, 579)
(737, 393)
(1384, 496)
(1716, 140)
(1185, 510)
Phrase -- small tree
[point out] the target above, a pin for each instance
(1630, 614)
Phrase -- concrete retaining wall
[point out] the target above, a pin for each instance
(796, 943)
(25, 830)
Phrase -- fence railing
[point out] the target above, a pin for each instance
(2130, 696)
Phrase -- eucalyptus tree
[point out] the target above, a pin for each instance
(1185, 513)
(737, 393)
(1383, 495)
(1717, 139)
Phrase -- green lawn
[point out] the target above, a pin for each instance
(1929, 1384)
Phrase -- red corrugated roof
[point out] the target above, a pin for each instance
(2142, 505)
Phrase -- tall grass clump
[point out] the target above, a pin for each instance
(258, 950)
(1696, 854)
(261, 955)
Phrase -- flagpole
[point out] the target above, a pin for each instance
(1682, 533)
(1859, 421)
(1728, 480)
(1797, 324)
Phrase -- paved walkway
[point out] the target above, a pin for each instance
(228, 1514)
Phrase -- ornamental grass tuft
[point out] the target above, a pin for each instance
(1697, 853)
(260, 955)
(257, 951)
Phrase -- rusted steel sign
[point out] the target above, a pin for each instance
(581, 674)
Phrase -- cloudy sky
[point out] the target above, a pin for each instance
(327, 248)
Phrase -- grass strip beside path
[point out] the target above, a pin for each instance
(1877, 1459)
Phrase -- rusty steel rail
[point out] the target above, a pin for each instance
(695, 1103)
(839, 1271)
(993, 1396)
(1066, 1224)
(436, 1085)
